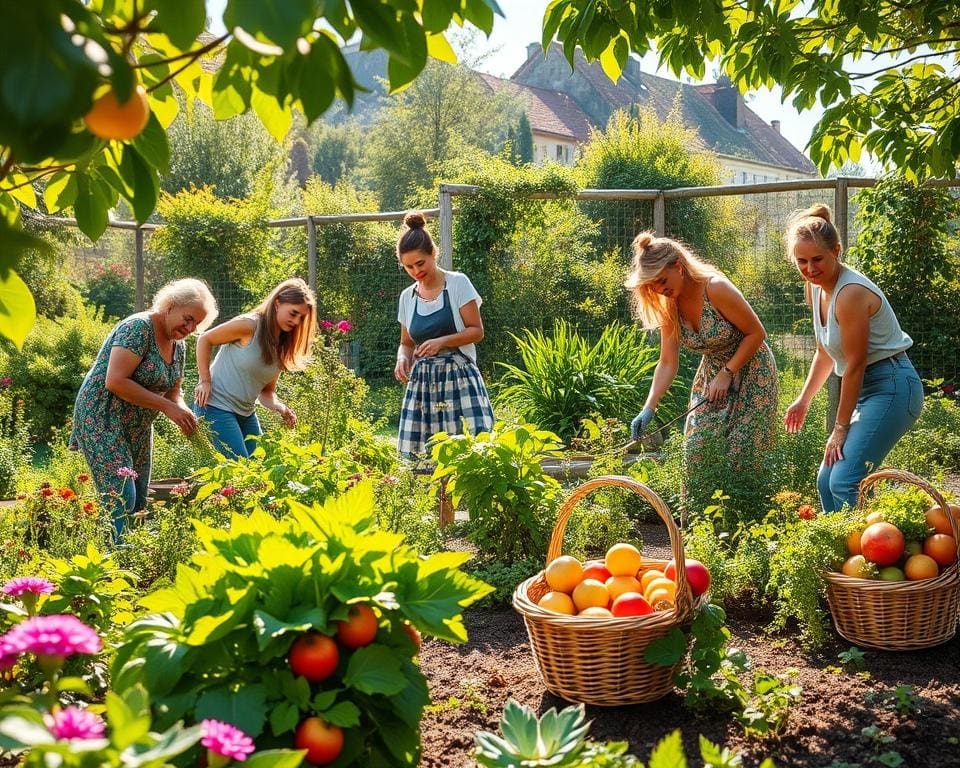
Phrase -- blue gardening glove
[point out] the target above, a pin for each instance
(640, 423)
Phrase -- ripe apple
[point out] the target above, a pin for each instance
(323, 741)
(595, 569)
(697, 575)
(882, 543)
(630, 604)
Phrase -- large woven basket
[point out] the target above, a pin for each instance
(600, 660)
(897, 615)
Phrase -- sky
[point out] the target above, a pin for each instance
(521, 25)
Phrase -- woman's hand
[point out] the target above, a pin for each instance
(718, 388)
(202, 393)
(287, 414)
(833, 452)
(795, 416)
(402, 370)
(183, 417)
(429, 348)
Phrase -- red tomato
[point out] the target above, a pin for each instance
(314, 656)
(323, 741)
(697, 575)
(882, 543)
(413, 633)
(360, 627)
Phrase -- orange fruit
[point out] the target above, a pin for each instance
(941, 548)
(623, 560)
(649, 576)
(564, 573)
(109, 119)
(661, 599)
(590, 593)
(595, 569)
(617, 585)
(857, 567)
(937, 519)
(596, 612)
(853, 541)
(919, 567)
(558, 602)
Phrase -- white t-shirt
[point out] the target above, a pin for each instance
(459, 289)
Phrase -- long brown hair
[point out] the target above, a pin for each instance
(288, 349)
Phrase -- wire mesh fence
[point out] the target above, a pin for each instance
(350, 261)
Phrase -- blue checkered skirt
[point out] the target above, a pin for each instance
(441, 393)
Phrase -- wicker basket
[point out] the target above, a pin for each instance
(599, 660)
(896, 615)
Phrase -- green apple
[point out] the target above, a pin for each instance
(891, 573)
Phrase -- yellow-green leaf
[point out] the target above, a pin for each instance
(439, 48)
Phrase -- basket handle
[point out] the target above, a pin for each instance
(684, 598)
(909, 478)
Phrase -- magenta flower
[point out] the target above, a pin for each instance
(8, 654)
(326, 325)
(228, 491)
(180, 489)
(57, 635)
(6, 381)
(344, 325)
(31, 584)
(127, 472)
(75, 723)
(226, 740)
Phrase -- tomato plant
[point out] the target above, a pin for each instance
(314, 656)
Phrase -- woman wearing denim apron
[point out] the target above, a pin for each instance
(859, 338)
(440, 326)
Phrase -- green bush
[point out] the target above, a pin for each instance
(47, 374)
(110, 287)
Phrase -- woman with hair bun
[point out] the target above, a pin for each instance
(440, 326)
(137, 375)
(253, 349)
(858, 338)
(695, 306)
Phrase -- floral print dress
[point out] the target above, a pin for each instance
(747, 419)
(112, 432)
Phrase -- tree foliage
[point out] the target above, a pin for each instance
(903, 104)
(58, 56)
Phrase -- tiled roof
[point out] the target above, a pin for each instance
(599, 97)
(548, 111)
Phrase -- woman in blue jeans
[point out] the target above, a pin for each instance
(254, 349)
(859, 338)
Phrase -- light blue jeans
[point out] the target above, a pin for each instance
(230, 432)
(890, 402)
(131, 498)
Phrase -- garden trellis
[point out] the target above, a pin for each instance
(751, 252)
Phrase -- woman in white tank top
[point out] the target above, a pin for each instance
(859, 339)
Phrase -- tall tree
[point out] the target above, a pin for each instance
(116, 63)
(903, 104)
(524, 140)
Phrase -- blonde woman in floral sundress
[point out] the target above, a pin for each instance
(695, 306)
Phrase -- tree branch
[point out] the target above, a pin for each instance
(192, 55)
(8, 163)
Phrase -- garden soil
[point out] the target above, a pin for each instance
(469, 685)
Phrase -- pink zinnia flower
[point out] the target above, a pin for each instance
(226, 740)
(127, 472)
(57, 635)
(228, 490)
(8, 654)
(6, 381)
(326, 325)
(344, 325)
(75, 723)
(180, 489)
(31, 584)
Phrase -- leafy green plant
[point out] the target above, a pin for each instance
(563, 378)
(905, 507)
(498, 476)
(852, 657)
(216, 642)
(932, 445)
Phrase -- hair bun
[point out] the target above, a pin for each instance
(414, 220)
(819, 211)
(643, 240)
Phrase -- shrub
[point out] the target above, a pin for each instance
(47, 374)
(565, 379)
(111, 288)
(497, 475)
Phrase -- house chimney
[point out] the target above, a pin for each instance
(533, 49)
(729, 102)
(775, 124)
